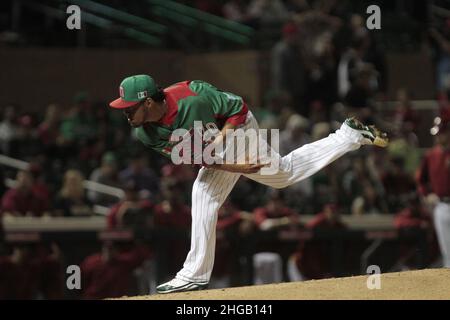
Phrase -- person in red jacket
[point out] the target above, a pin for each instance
(274, 217)
(130, 210)
(433, 180)
(275, 214)
(232, 224)
(31, 271)
(329, 218)
(313, 257)
(415, 217)
(108, 274)
(172, 213)
(23, 200)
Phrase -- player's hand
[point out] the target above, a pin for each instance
(249, 168)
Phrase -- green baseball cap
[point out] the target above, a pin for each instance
(134, 89)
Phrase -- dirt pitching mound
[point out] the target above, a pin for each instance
(422, 284)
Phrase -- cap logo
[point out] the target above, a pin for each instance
(121, 92)
(142, 94)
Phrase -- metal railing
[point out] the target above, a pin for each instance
(423, 105)
(193, 18)
(88, 184)
(118, 15)
(168, 15)
(105, 22)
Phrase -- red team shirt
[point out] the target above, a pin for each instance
(433, 175)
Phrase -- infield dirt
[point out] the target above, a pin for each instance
(416, 285)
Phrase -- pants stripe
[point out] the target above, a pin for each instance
(212, 187)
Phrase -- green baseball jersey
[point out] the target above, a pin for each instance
(187, 102)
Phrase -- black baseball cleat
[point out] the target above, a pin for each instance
(370, 133)
(177, 285)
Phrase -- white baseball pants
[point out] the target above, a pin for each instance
(442, 227)
(212, 187)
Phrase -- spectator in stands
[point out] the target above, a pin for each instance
(275, 214)
(295, 134)
(109, 273)
(183, 175)
(408, 151)
(357, 26)
(40, 187)
(369, 202)
(350, 63)
(298, 196)
(27, 145)
(247, 194)
(324, 184)
(31, 272)
(52, 153)
(105, 174)
(22, 200)
(313, 258)
(8, 129)
(413, 215)
(90, 154)
(80, 124)
(356, 181)
(328, 218)
(276, 110)
(267, 12)
(433, 179)
(48, 129)
(288, 68)
(273, 108)
(78, 131)
(71, 200)
(269, 250)
(326, 188)
(138, 171)
(320, 130)
(415, 218)
(236, 10)
(405, 142)
(359, 98)
(110, 132)
(406, 119)
(322, 80)
(230, 229)
(172, 213)
(131, 211)
(316, 29)
(398, 184)
(443, 61)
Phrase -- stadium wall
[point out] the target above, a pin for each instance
(36, 77)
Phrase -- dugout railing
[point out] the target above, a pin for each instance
(378, 244)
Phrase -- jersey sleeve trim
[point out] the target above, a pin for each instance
(240, 117)
(174, 94)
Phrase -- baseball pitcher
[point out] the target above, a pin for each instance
(156, 114)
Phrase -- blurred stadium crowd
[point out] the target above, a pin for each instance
(323, 69)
